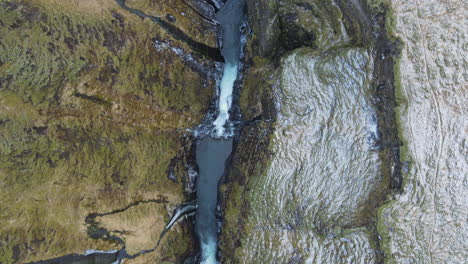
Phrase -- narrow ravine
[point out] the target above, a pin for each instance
(214, 148)
(233, 131)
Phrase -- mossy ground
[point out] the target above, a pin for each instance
(140, 227)
(90, 116)
(182, 15)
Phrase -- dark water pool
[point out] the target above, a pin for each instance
(211, 157)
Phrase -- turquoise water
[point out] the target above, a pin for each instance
(230, 17)
(213, 151)
(211, 157)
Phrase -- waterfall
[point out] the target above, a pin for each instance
(213, 151)
(225, 97)
(230, 17)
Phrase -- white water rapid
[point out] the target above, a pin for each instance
(225, 97)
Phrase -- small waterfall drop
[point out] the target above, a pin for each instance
(230, 17)
(213, 150)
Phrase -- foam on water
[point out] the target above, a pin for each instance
(209, 252)
(214, 149)
(225, 97)
(230, 17)
(92, 251)
(211, 155)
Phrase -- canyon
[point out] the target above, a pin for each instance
(341, 136)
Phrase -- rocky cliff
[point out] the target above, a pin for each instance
(336, 163)
(352, 147)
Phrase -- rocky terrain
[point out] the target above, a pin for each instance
(352, 146)
(354, 150)
(426, 223)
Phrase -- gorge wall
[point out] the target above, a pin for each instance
(336, 163)
(352, 147)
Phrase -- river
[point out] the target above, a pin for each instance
(214, 149)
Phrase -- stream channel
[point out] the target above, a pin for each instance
(213, 148)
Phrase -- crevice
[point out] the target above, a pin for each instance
(385, 104)
(383, 98)
(209, 20)
(98, 257)
(386, 56)
(212, 4)
(92, 98)
(210, 52)
(97, 232)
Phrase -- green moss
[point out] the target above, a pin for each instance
(382, 229)
(49, 53)
(6, 254)
(90, 118)
(256, 95)
(385, 6)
